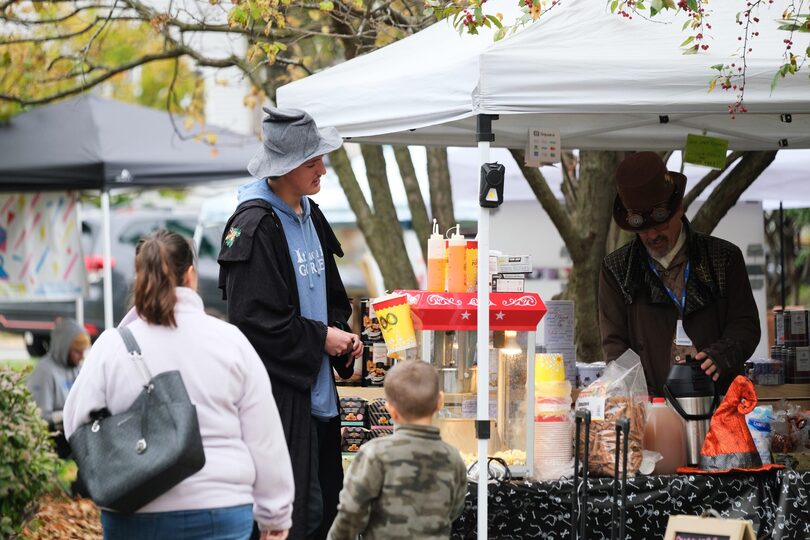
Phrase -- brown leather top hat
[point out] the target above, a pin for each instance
(648, 193)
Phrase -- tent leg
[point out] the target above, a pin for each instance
(782, 256)
(485, 136)
(108, 303)
(80, 311)
(80, 297)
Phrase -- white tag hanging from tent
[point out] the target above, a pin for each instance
(543, 147)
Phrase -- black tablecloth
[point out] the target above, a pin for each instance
(776, 502)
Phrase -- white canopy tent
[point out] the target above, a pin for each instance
(603, 81)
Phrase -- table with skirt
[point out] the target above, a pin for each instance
(777, 502)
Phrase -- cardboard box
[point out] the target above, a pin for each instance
(508, 285)
(353, 411)
(378, 415)
(353, 438)
(514, 264)
(700, 528)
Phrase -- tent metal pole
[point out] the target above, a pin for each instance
(782, 255)
(484, 136)
(80, 297)
(80, 311)
(106, 238)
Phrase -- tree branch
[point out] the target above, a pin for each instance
(707, 180)
(45, 39)
(174, 53)
(729, 191)
(400, 276)
(568, 166)
(558, 215)
(440, 187)
(416, 202)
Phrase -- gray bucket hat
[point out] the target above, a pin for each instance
(289, 139)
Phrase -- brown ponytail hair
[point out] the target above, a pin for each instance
(161, 260)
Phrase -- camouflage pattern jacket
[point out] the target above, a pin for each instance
(402, 487)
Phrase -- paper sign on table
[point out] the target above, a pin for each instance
(558, 324)
(700, 528)
(708, 151)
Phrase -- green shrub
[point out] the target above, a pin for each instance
(28, 465)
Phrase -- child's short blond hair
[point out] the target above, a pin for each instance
(412, 386)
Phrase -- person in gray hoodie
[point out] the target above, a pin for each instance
(54, 375)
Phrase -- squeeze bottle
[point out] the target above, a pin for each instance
(457, 263)
(437, 260)
(472, 265)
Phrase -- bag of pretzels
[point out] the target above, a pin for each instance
(620, 391)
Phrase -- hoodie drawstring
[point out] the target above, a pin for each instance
(304, 234)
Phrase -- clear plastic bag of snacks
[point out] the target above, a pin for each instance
(620, 391)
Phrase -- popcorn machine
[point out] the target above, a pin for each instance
(446, 328)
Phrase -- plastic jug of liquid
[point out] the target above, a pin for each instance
(665, 433)
(437, 260)
(457, 263)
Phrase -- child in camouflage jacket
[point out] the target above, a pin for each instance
(411, 484)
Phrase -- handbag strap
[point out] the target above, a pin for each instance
(135, 353)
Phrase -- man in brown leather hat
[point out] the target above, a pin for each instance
(672, 291)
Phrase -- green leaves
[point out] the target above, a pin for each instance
(28, 466)
(788, 68)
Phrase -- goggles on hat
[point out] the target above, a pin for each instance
(660, 213)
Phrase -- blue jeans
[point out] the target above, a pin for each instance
(234, 523)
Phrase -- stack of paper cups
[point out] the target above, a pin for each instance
(553, 426)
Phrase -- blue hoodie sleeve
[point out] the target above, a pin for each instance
(261, 305)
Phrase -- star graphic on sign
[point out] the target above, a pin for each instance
(500, 315)
(465, 315)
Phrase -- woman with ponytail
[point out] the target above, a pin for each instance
(247, 473)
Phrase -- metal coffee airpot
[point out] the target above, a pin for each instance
(694, 396)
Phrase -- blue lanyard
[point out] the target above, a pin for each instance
(682, 304)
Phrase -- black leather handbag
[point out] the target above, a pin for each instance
(129, 459)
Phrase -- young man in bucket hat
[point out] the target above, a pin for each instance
(284, 292)
(672, 291)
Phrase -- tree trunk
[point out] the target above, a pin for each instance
(441, 192)
(583, 288)
(416, 203)
(594, 214)
(583, 224)
(383, 235)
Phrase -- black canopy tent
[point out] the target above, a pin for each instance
(94, 143)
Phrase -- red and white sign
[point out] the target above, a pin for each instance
(459, 311)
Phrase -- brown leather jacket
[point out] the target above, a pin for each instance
(721, 316)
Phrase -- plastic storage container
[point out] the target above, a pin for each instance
(797, 364)
(665, 433)
(766, 371)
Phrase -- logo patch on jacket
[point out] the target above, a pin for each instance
(233, 234)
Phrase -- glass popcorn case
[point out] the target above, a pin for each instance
(445, 324)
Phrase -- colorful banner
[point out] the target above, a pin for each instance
(40, 247)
